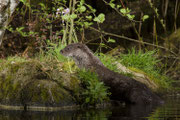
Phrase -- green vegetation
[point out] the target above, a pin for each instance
(42, 80)
(142, 60)
(148, 63)
(35, 82)
(53, 68)
(73, 18)
(95, 92)
(50, 26)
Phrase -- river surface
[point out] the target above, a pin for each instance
(168, 111)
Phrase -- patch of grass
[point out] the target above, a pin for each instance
(4, 63)
(144, 61)
(94, 91)
(54, 50)
(147, 62)
(13, 59)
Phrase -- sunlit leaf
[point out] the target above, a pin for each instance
(100, 18)
(82, 9)
(145, 17)
(112, 5)
(73, 16)
(110, 40)
(123, 11)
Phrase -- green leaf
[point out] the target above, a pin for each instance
(118, 6)
(89, 17)
(82, 2)
(66, 17)
(100, 18)
(103, 45)
(112, 5)
(87, 24)
(128, 10)
(131, 17)
(145, 17)
(110, 40)
(87, 100)
(123, 11)
(20, 28)
(96, 20)
(42, 5)
(73, 16)
(82, 9)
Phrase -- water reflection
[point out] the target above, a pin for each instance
(168, 111)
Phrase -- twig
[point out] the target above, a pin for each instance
(122, 4)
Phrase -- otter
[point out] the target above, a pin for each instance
(123, 88)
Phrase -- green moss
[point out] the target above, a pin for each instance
(74, 82)
(69, 66)
(34, 82)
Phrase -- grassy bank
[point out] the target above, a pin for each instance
(52, 80)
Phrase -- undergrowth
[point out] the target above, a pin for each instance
(95, 91)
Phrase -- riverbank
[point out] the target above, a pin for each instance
(46, 83)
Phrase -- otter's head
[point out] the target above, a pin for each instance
(72, 50)
(81, 54)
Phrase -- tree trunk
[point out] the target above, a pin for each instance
(7, 7)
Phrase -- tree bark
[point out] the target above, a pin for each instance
(7, 7)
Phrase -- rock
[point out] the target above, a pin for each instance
(139, 76)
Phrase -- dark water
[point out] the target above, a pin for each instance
(169, 111)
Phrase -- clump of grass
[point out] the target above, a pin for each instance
(146, 61)
(11, 60)
(94, 91)
(54, 50)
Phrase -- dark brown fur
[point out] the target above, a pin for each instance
(122, 88)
